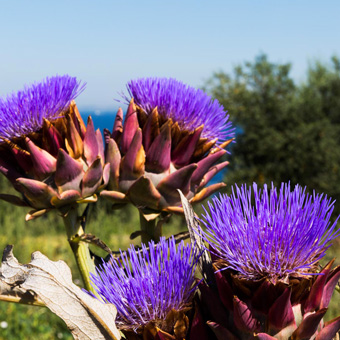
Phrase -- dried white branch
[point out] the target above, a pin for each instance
(50, 283)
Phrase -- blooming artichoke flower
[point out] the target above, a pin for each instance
(265, 250)
(151, 288)
(47, 153)
(171, 139)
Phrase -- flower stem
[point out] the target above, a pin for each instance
(150, 230)
(80, 249)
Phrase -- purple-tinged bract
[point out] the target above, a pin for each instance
(146, 285)
(270, 233)
(23, 112)
(187, 106)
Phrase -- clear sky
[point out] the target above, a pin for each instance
(106, 43)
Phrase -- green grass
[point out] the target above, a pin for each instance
(46, 234)
(28, 322)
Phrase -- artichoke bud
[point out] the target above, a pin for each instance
(154, 152)
(267, 279)
(58, 161)
(152, 289)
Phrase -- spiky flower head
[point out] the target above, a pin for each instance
(46, 151)
(172, 137)
(187, 106)
(265, 245)
(146, 285)
(270, 233)
(23, 112)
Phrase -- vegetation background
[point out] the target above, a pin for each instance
(286, 131)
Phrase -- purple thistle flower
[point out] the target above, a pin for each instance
(146, 285)
(184, 104)
(280, 234)
(23, 112)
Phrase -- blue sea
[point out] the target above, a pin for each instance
(104, 119)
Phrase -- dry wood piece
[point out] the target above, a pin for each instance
(50, 283)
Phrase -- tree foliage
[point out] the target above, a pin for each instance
(286, 131)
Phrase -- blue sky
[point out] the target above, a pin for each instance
(106, 43)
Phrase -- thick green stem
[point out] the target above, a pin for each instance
(80, 249)
(150, 230)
